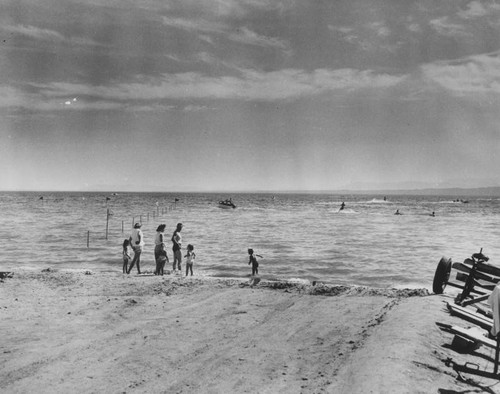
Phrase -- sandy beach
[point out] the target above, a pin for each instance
(87, 332)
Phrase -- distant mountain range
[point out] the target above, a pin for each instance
(455, 192)
(452, 191)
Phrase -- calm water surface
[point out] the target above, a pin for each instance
(301, 236)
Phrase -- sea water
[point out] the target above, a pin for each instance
(300, 236)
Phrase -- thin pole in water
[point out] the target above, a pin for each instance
(107, 222)
(88, 238)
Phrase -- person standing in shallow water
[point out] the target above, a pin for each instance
(126, 256)
(253, 260)
(137, 242)
(190, 256)
(176, 248)
(160, 250)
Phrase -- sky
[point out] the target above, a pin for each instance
(249, 95)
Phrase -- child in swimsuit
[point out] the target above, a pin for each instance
(160, 262)
(254, 262)
(126, 256)
(190, 256)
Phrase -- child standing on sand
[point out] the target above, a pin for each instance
(126, 256)
(190, 256)
(160, 262)
(254, 262)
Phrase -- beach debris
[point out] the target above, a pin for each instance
(282, 285)
(251, 283)
(4, 275)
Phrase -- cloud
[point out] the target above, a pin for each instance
(246, 36)
(287, 84)
(228, 8)
(34, 32)
(475, 74)
(46, 35)
(414, 27)
(340, 29)
(194, 25)
(195, 108)
(241, 35)
(369, 37)
(476, 9)
(444, 27)
(251, 85)
(380, 29)
(15, 98)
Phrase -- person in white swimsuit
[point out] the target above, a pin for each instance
(137, 242)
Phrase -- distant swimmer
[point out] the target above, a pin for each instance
(342, 206)
(397, 212)
(432, 214)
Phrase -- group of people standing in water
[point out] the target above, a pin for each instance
(136, 242)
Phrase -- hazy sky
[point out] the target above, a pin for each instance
(191, 95)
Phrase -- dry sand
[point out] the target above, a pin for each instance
(85, 332)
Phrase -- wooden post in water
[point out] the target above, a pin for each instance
(107, 222)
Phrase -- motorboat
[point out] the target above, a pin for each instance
(226, 204)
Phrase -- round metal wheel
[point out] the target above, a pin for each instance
(441, 275)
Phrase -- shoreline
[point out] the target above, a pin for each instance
(67, 331)
(203, 275)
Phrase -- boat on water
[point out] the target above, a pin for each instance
(226, 204)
